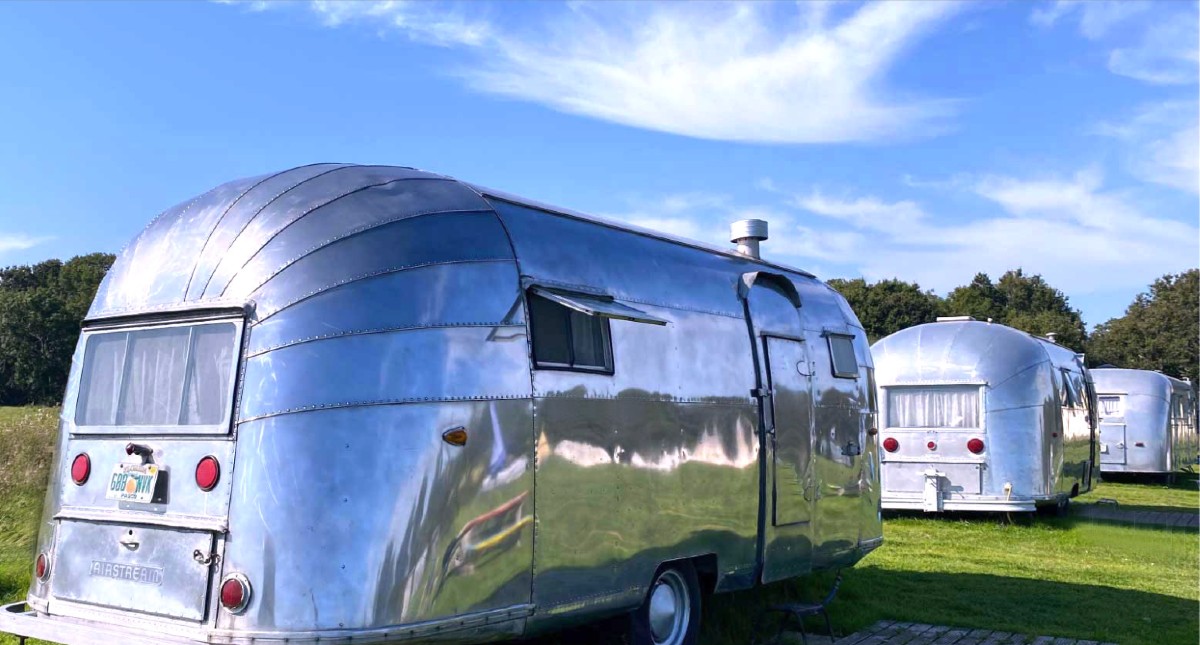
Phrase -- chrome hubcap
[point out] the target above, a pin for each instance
(670, 609)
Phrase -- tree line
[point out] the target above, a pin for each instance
(1160, 329)
(42, 306)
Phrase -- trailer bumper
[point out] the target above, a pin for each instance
(907, 503)
(21, 621)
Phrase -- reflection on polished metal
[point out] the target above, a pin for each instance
(338, 319)
(1147, 422)
(982, 417)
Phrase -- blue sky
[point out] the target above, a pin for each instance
(920, 141)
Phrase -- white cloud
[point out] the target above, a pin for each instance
(1083, 237)
(443, 25)
(1096, 17)
(864, 212)
(1163, 143)
(1167, 55)
(762, 72)
(1167, 49)
(706, 217)
(19, 241)
(688, 215)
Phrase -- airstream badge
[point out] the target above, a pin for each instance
(132, 483)
(132, 573)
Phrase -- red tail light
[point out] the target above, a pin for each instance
(891, 445)
(235, 593)
(932, 445)
(975, 446)
(81, 468)
(41, 567)
(208, 473)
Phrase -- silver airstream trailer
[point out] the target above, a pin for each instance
(359, 404)
(1147, 422)
(981, 417)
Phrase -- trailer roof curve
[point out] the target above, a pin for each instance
(963, 351)
(1116, 380)
(222, 248)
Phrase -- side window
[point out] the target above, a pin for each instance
(1068, 393)
(841, 354)
(568, 339)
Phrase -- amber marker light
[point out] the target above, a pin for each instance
(455, 436)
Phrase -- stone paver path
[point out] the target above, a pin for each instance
(1114, 513)
(887, 632)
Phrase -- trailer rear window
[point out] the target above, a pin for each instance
(1110, 406)
(165, 376)
(949, 406)
(568, 339)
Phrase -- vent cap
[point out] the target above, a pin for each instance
(746, 234)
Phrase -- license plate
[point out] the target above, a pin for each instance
(133, 483)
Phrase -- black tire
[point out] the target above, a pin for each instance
(1060, 508)
(674, 600)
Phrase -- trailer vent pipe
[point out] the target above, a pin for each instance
(1052, 337)
(746, 234)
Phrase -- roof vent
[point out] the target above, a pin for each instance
(1052, 337)
(955, 318)
(746, 234)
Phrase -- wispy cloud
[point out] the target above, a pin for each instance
(810, 72)
(19, 242)
(1163, 143)
(1084, 237)
(1166, 50)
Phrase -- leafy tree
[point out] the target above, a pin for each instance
(41, 307)
(888, 305)
(1159, 331)
(1021, 301)
(980, 299)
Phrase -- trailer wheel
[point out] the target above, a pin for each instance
(670, 615)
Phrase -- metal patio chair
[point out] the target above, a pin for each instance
(796, 612)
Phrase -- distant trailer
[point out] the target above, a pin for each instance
(982, 417)
(369, 404)
(1147, 422)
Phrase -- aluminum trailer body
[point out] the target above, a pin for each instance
(981, 417)
(1147, 422)
(357, 404)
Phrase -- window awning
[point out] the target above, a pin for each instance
(597, 306)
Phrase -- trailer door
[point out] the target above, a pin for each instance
(785, 439)
(1112, 429)
(790, 383)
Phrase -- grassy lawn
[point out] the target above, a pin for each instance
(1061, 577)
(1145, 494)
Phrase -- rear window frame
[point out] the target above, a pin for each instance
(76, 391)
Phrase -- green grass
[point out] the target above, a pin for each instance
(27, 437)
(1061, 577)
(1145, 494)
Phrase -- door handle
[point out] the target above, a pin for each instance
(129, 543)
